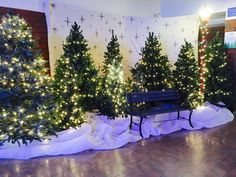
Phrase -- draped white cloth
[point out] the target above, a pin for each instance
(102, 134)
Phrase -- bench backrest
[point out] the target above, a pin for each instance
(139, 97)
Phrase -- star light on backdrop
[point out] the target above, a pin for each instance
(93, 22)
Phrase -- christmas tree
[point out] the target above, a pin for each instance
(25, 114)
(186, 76)
(75, 81)
(152, 72)
(203, 32)
(112, 97)
(218, 75)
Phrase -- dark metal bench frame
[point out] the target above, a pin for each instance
(156, 96)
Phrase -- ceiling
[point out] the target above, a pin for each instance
(166, 8)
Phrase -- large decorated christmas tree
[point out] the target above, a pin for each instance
(218, 74)
(25, 112)
(152, 72)
(112, 96)
(75, 81)
(186, 76)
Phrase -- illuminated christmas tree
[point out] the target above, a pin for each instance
(112, 97)
(152, 72)
(218, 75)
(75, 81)
(186, 76)
(203, 33)
(25, 114)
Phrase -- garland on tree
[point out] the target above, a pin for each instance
(219, 78)
(25, 113)
(75, 81)
(112, 96)
(186, 76)
(152, 72)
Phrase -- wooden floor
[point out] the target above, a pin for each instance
(205, 153)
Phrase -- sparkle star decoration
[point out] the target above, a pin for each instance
(101, 16)
(166, 25)
(175, 44)
(110, 30)
(53, 5)
(82, 19)
(131, 19)
(96, 33)
(136, 37)
(54, 29)
(130, 51)
(67, 21)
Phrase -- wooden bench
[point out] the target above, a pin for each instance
(160, 102)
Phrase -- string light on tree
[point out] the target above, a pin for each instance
(202, 53)
(75, 81)
(219, 76)
(152, 72)
(186, 77)
(112, 93)
(22, 73)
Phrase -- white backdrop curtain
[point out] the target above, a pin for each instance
(132, 32)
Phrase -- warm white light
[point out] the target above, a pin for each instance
(200, 107)
(205, 13)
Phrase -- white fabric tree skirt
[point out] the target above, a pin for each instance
(101, 133)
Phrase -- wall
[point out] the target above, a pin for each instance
(121, 7)
(171, 8)
(118, 7)
(167, 8)
(230, 26)
(33, 5)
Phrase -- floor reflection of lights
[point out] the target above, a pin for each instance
(196, 143)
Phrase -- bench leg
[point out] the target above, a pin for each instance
(140, 126)
(131, 121)
(190, 120)
(178, 115)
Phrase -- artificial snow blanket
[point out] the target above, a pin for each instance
(102, 134)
